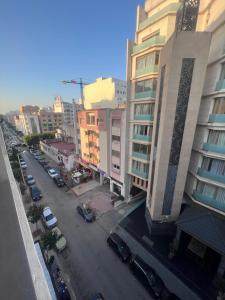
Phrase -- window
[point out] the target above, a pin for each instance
(90, 119)
(115, 153)
(115, 122)
(147, 60)
(115, 138)
(214, 166)
(140, 148)
(145, 85)
(99, 121)
(149, 36)
(216, 137)
(219, 106)
(143, 130)
(222, 75)
(144, 109)
(139, 166)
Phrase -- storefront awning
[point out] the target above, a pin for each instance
(205, 226)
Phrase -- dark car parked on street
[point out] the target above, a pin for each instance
(119, 246)
(35, 193)
(87, 213)
(59, 181)
(148, 277)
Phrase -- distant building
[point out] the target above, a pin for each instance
(49, 120)
(11, 115)
(60, 152)
(66, 108)
(105, 93)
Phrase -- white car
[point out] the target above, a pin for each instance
(23, 165)
(49, 219)
(52, 173)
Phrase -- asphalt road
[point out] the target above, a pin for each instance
(89, 264)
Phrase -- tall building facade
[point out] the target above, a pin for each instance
(184, 176)
(155, 25)
(105, 93)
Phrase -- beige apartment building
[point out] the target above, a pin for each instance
(105, 93)
(184, 173)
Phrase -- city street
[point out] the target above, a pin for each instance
(88, 263)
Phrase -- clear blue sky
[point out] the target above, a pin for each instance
(45, 41)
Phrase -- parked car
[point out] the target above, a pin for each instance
(23, 165)
(97, 296)
(30, 180)
(147, 276)
(52, 173)
(58, 181)
(86, 212)
(46, 167)
(61, 241)
(35, 193)
(119, 246)
(48, 218)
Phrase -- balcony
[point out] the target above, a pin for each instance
(149, 69)
(171, 8)
(206, 174)
(140, 137)
(214, 148)
(147, 94)
(140, 155)
(154, 41)
(210, 201)
(116, 131)
(116, 145)
(140, 173)
(217, 118)
(143, 117)
(220, 85)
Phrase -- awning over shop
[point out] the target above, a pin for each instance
(205, 226)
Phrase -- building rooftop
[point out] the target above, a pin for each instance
(63, 147)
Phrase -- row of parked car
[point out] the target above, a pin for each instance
(141, 270)
(48, 218)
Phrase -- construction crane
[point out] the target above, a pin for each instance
(81, 83)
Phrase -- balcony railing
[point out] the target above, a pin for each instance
(143, 117)
(140, 155)
(147, 94)
(154, 41)
(220, 85)
(214, 148)
(171, 8)
(145, 138)
(211, 176)
(210, 201)
(217, 118)
(149, 69)
(140, 173)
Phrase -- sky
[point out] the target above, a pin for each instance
(46, 41)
